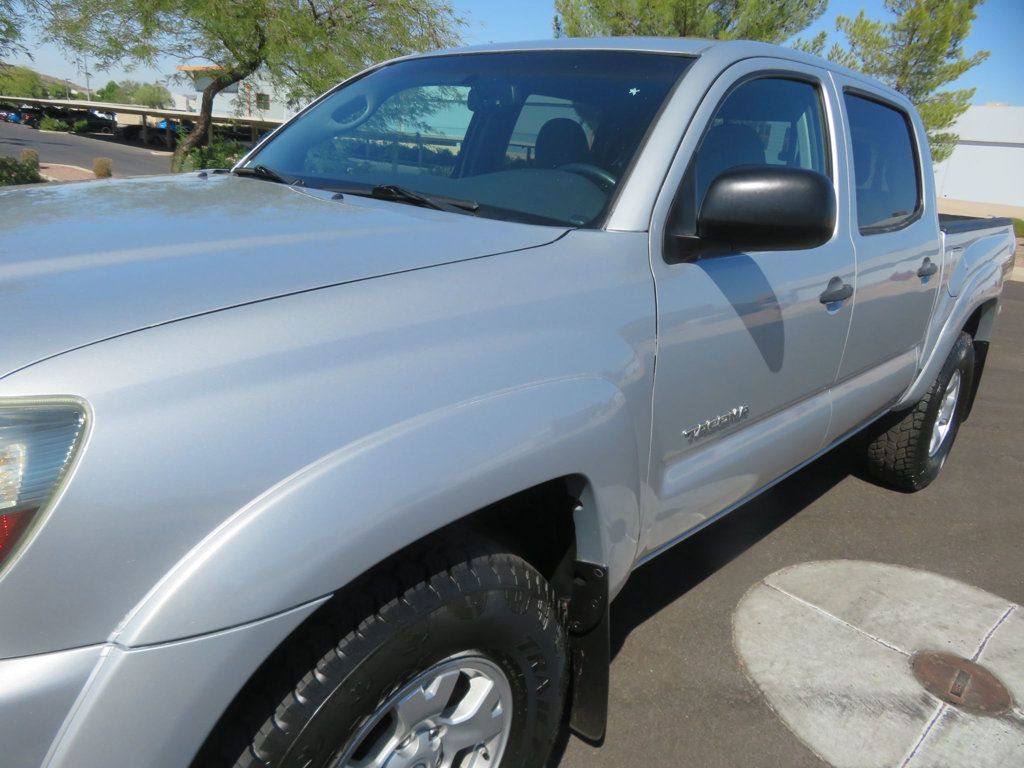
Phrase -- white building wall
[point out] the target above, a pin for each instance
(239, 101)
(987, 165)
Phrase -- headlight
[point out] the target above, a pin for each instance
(37, 443)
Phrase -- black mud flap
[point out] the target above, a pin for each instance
(980, 356)
(591, 653)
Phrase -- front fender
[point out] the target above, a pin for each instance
(318, 529)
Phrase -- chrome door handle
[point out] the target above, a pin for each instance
(928, 268)
(837, 290)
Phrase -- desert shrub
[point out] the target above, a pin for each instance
(1018, 227)
(13, 171)
(220, 154)
(30, 156)
(80, 126)
(48, 123)
(102, 167)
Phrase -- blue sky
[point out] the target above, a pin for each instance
(997, 29)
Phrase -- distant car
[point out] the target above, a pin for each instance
(157, 134)
(26, 116)
(103, 122)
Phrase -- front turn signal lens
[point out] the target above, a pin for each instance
(38, 441)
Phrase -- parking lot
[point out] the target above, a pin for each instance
(81, 150)
(682, 696)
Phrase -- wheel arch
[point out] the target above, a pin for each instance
(468, 464)
(975, 307)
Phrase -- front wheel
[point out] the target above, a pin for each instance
(458, 661)
(908, 450)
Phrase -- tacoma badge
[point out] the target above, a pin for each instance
(703, 429)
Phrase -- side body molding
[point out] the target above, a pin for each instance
(321, 527)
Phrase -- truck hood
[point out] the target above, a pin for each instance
(85, 262)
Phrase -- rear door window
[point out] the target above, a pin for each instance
(885, 168)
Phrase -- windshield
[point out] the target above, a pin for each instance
(542, 136)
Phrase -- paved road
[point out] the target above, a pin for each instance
(70, 149)
(679, 694)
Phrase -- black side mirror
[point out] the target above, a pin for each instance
(765, 208)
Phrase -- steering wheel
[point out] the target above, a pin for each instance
(602, 178)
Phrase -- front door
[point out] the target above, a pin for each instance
(747, 351)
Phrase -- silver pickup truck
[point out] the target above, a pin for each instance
(336, 459)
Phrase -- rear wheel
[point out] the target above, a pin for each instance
(908, 449)
(457, 660)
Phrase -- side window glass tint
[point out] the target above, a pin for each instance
(884, 166)
(767, 121)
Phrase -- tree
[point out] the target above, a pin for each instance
(153, 95)
(769, 20)
(917, 53)
(112, 92)
(10, 28)
(303, 48)
(131, 92)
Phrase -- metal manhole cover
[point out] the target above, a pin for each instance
(960, 682)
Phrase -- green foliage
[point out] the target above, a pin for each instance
(303, 48)
(1018, 227)
(220, 154)
(13, 171)
(153, 95)
(30, 156)
(132, 92)
(102, 167)
(917, 53)
(21, 81)
(770, 20)
(80, 126)
(48, 123)
(11, 24)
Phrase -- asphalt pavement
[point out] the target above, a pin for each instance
(81, 150)
(681, 695)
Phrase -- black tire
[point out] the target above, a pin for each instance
(898, 446)
(330, 678)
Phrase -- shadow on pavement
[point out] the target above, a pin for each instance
(671, 575)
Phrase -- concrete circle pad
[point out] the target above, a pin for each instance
(830, 645)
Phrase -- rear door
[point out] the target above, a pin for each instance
(747, 352)
(899, 254)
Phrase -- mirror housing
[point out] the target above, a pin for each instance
(766, 208)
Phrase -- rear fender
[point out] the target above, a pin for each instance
(983, 286)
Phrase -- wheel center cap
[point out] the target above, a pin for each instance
(960, 682)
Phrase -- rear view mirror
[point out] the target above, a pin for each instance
(766, 208)
(492, 95)
(353, 112)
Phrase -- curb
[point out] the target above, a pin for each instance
(88, 174)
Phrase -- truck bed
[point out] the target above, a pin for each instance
(952, 224)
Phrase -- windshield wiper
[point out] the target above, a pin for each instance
(263, 172)
(399, 194)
